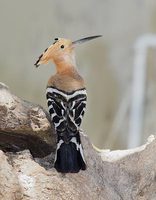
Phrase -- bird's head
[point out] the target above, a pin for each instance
(61, 51)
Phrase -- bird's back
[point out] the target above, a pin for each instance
(66, 98)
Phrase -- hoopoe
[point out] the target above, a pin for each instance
(66, 99)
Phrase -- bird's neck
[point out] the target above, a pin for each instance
(65, 64)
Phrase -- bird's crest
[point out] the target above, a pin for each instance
(54, 51)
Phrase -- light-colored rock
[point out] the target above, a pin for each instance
(130, 178)
(108, 155)
(20, 119)
(116, 175)
(20, 116)
(9, 183)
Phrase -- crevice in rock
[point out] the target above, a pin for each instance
(12, 142)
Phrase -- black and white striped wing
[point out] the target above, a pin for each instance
(66, 109)
(57, 109)
(77, 105)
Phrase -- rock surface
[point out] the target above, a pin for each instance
(24, 125)
(131, 177)
(111, 175)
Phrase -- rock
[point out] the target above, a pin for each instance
(110, 175)
(9, 183)
(132, 173)
(24, 125)
(131, 177)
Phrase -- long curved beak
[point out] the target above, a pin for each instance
(86, 39)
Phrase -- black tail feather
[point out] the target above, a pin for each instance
(69, 156)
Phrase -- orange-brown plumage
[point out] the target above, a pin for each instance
(67, 81)
(60, 52)
(66, 78)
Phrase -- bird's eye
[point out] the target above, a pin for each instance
(62, 46)
(56, 39)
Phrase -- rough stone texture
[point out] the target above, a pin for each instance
(9, 183)
(22, 124)
(130, 177)
(18, 116)
(111, 175)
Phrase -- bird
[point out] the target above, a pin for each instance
(66, 98)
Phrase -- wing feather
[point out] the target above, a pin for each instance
(66, 112)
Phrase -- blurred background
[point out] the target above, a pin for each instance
(119, 68)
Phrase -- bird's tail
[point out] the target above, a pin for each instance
(69, 156)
